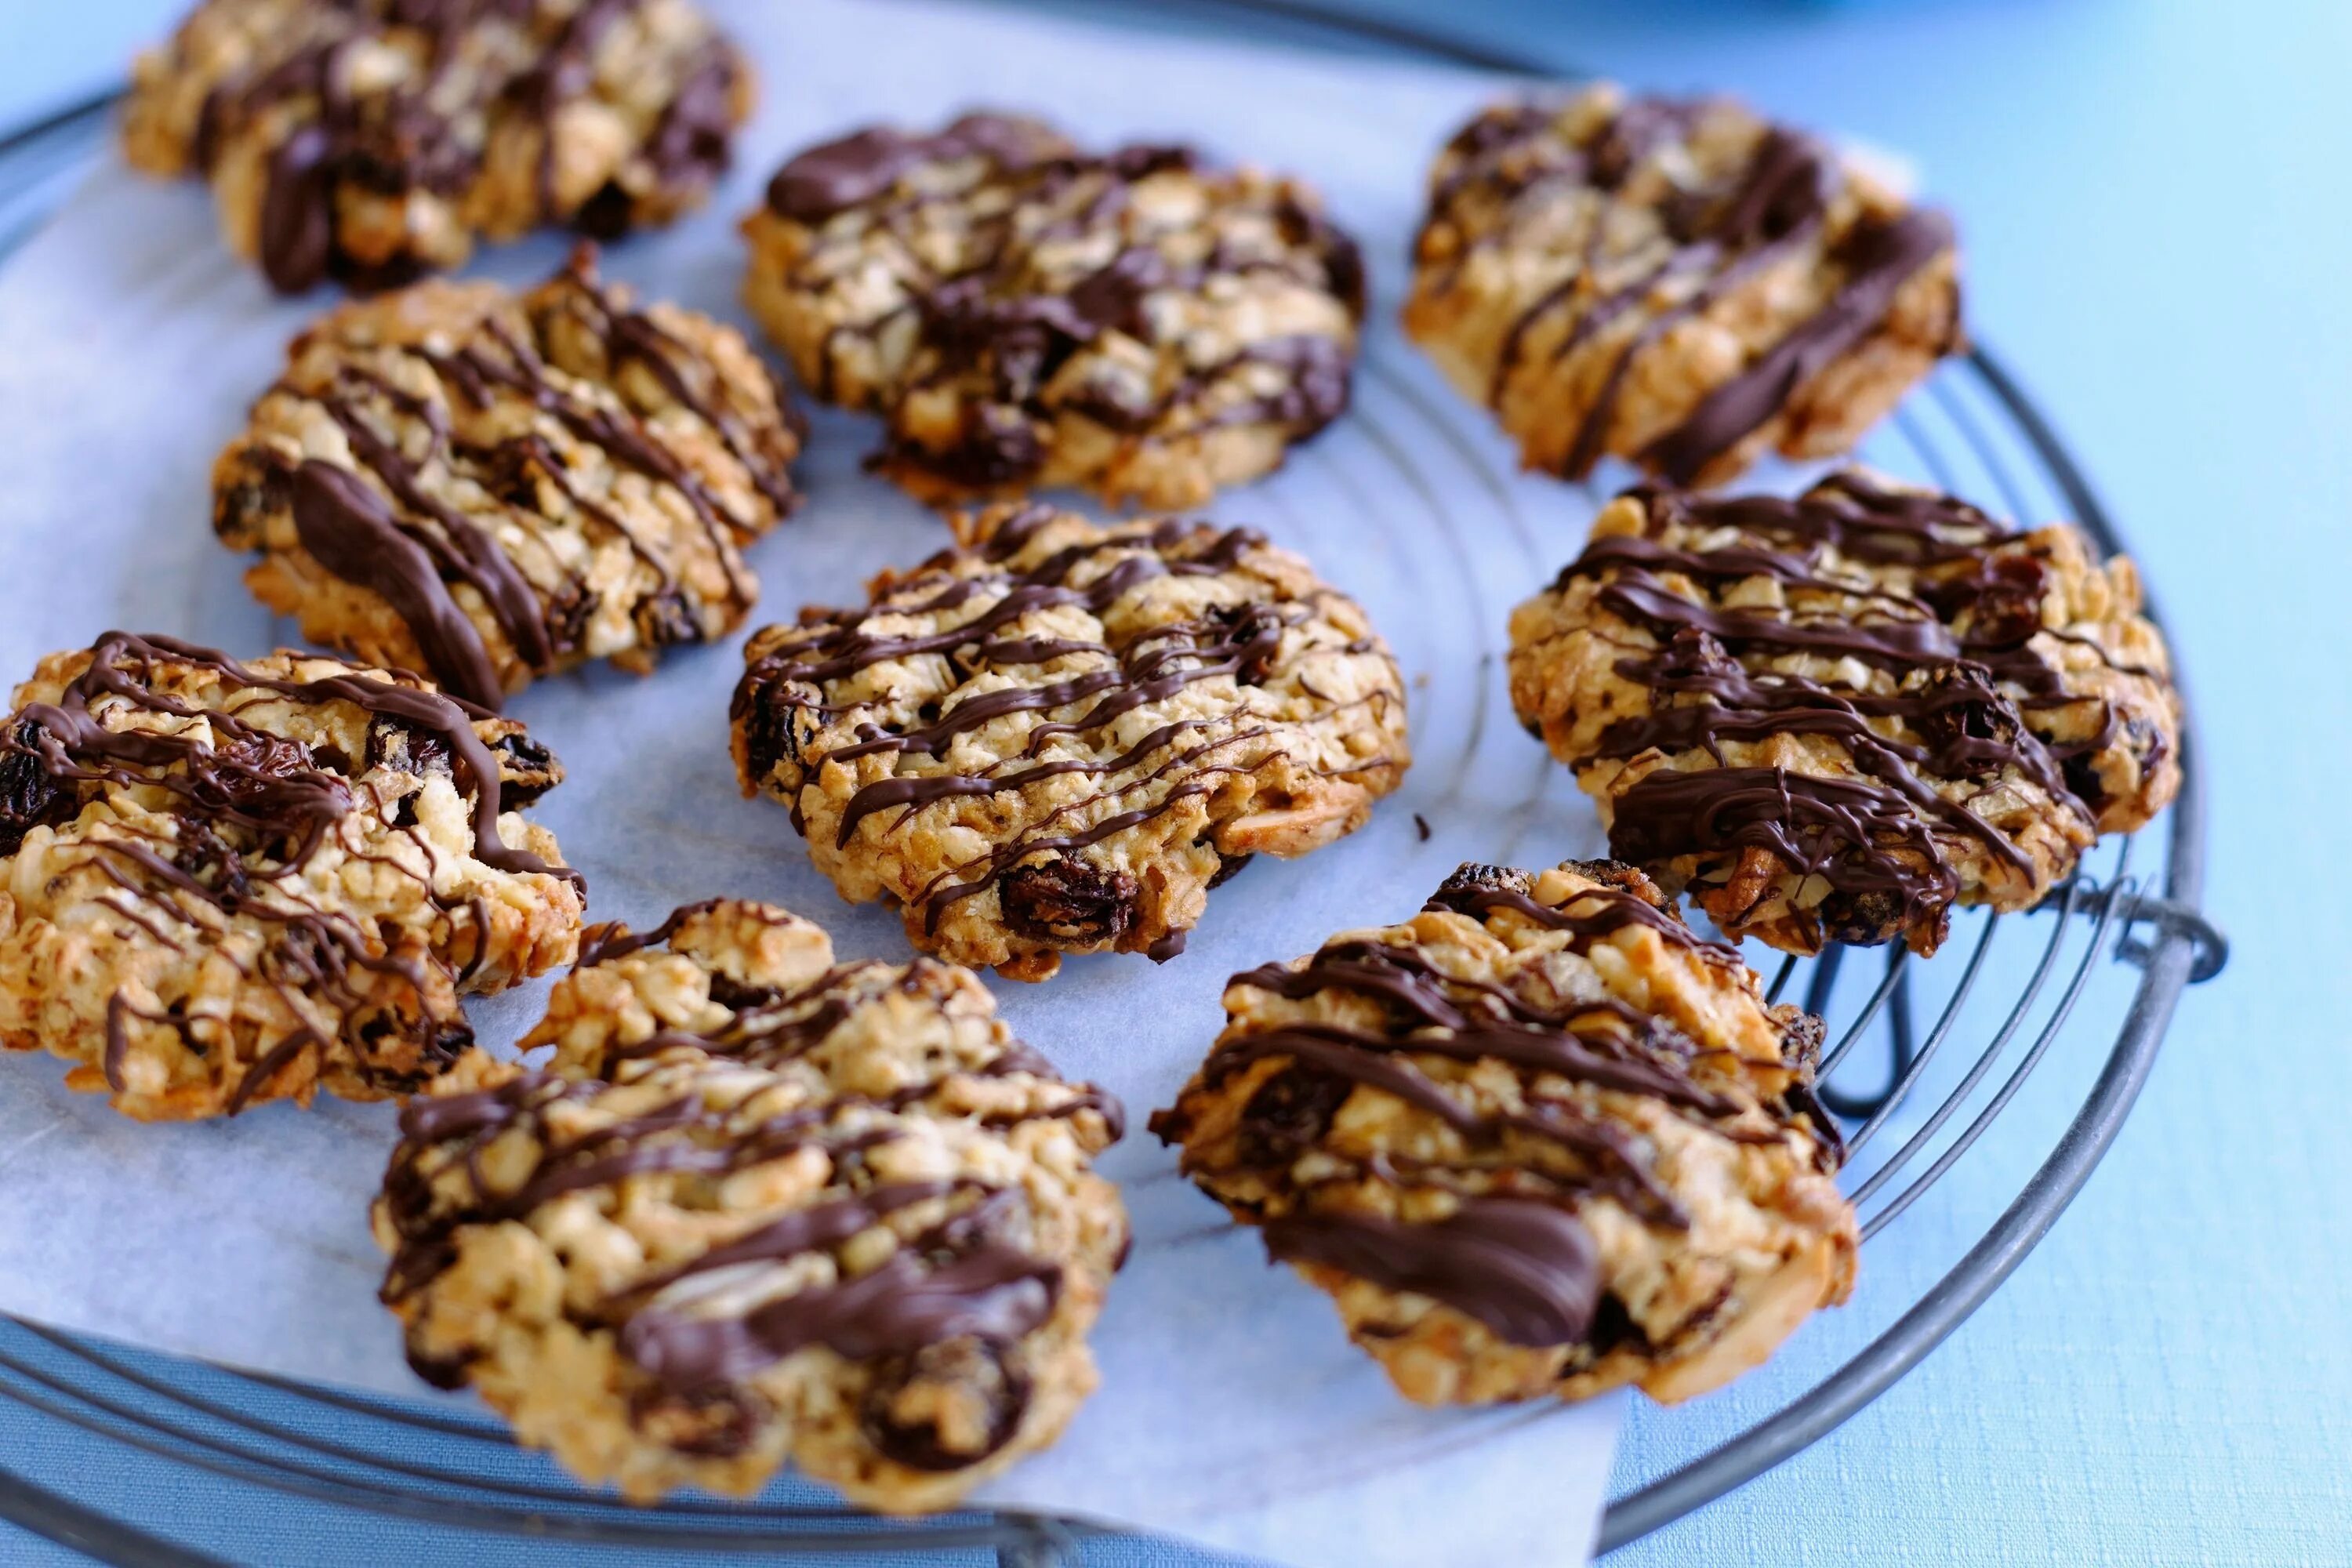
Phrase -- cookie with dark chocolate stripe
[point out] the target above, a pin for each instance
(1678, 283)
(1539, 1140)
(1024, 313)
(1059, 736)
(370, 141)
(222, 883)
(493, 487)
(765, 1208)
(1836, 718)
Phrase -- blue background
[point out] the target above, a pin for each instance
(2155, 203)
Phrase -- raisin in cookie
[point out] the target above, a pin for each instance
(492, 486)
(1538, 1139)
(1680, 284)
(1059, 737)
(225, 883)
(1023, 313)
(371, 140)
(1834, 718)
(829, 1215)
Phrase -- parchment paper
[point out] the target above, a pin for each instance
(1233, 1410)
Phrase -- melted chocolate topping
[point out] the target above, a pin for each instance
(406, 545)
(963, 1278)
(1522, 1264)
(250, 810)
(1720, 239)
(425, 136)
(987, 315)
(1971, 686)
(1152, 669)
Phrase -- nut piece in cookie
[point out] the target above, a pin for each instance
(1680, 284)
(1057, 737)
(1831, 718)
(766, 1208)
(370, 141)
(225, 883)
(1025, 314)
(494, 486)
(1538, 1139)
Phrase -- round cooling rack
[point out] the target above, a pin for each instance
(1923, 1059)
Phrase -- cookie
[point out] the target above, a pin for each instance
(828, 1215)
(494, 486)
(1057, 737)
(370, 142)
(1023, 313)
(225, 883)
(1680, 284)
(1538, 1139)
(1832, 719)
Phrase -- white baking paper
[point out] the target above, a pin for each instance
(1233, 1410)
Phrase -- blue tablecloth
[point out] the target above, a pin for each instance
(2154, 200)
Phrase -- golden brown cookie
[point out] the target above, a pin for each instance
(225, 883)
(1059, 736)
(371, 140)
(1538, 1139)
(1831, 718)
(1025, 314)
(493, 485)
(828, 1215)
(1681, 284)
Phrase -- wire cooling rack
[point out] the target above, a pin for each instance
(1923, 1058)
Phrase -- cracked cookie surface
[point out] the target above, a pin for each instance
(1677, 283)
(1538, 1140)
(370, 141)
(492, 486)
(225, 883)
(1057, 737)
(767, 1208)
(1023, 314)
(1832, 719)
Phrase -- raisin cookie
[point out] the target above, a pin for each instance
(1538, 1139)
(1023, 314)
(371, 140)
(767, 1208)
(1059, 736)
(1834, 718)
(225, 883)
(1677, 283)
(492, 486)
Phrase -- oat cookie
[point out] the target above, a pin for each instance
(1023, 313)
(370, 141)
(1681, 284)
(492, 486)
(1059, 736)
(1539, 1139)
(1834, 718)
(827, 1213)
(225, 883)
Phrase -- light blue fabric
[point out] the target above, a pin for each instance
(2154, 200)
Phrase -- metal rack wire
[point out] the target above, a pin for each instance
(1942, 1062)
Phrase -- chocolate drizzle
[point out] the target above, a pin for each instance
(1970, 685)
(397, 539)
(953, 1302)
(783, 692)
(993, 317)
(428, 133)
(1513, 1255)
(250, 809)
(1716, 241)
(771, 1027)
